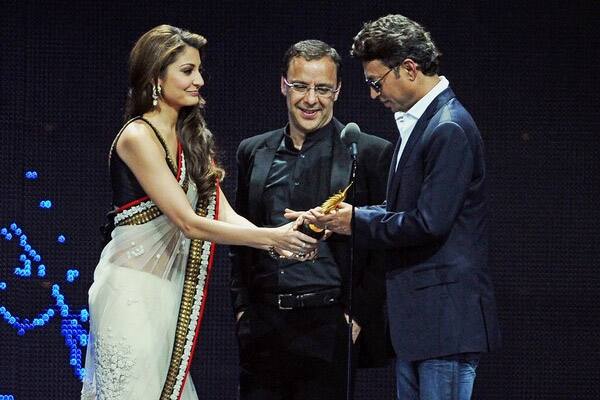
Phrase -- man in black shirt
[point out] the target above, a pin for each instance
(292, 315)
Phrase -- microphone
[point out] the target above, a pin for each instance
(349, 137)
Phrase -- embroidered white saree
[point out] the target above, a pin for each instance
(146, 305)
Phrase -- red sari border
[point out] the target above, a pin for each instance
(193, 302)
(201, 316)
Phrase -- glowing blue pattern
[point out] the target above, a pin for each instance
(75, 335)
(45, 204)
(31, 175)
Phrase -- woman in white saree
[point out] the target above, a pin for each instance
(147, 299)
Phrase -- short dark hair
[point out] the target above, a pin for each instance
(394, 38)
(312, 50)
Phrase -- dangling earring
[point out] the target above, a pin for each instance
(156, 92)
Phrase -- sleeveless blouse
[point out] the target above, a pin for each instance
(126, 189)
(131, 205)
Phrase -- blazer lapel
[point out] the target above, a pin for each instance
(341, 165)
(263, 158)
(392, 174)
(395, 177)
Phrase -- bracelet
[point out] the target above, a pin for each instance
(274, 254)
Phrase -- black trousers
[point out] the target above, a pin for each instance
(293, 354)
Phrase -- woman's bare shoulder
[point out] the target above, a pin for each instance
(137, 135)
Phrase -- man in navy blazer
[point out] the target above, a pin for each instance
(433, 225)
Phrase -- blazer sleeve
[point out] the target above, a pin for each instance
(448, 167)
(239, 255)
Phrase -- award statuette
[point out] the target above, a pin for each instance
(328, 205)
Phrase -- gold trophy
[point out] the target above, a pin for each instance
(328, 205)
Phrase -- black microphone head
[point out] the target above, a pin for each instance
(350, 134)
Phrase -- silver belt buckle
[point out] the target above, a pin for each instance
(279, 297)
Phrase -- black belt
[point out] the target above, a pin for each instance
(290, 301)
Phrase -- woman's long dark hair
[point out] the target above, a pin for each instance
(148, 61)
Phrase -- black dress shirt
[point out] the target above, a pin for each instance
(298, 179)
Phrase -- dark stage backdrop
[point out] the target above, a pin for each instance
(525, 71)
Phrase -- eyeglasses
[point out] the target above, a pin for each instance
(303, 89)
(377, 85)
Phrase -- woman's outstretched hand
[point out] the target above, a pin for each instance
(288, 238)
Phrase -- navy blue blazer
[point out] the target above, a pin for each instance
(433, 227)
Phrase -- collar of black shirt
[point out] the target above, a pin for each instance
(314, 137)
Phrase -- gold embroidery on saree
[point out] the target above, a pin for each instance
(189, 310)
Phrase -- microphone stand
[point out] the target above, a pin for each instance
(349, 386)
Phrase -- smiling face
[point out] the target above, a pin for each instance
(182, 80)
(307, 111)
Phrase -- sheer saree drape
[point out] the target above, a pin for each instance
(146, 304)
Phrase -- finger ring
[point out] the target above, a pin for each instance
(303, 245)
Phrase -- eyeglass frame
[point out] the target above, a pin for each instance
(331, 92)
(377, 85)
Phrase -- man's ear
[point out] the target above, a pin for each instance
(339, 89)
(284, 87)
(411, 68)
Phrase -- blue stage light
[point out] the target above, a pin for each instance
(75, 334)
(31, 175)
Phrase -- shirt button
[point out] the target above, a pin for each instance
(302, 155)
(281, 272)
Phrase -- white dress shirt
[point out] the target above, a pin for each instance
(406, 121)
